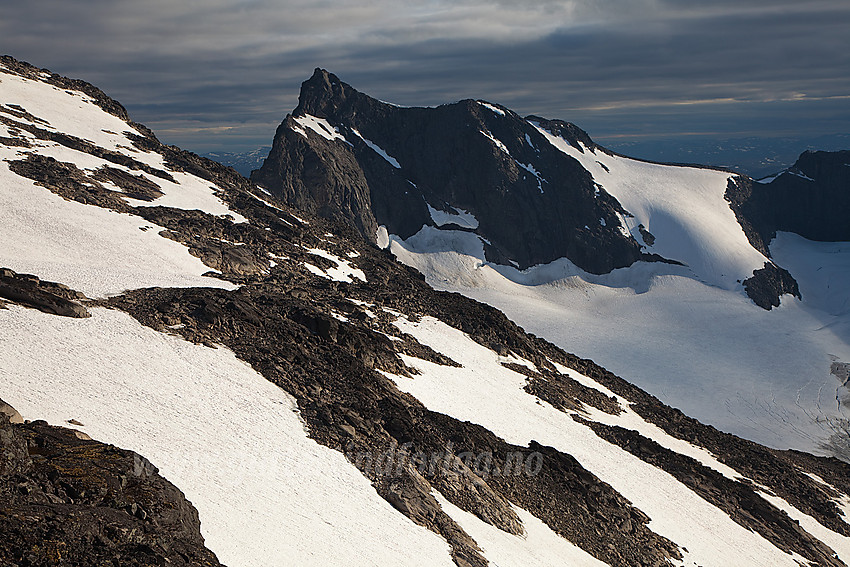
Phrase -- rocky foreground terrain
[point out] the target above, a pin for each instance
(68, 500)
(144, 268)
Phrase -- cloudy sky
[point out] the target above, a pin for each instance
(220, 75)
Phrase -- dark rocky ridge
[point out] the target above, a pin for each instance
(812, 199)
(446, 160)
(67, 500)
(282, 322)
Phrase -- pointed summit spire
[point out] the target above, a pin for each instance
(323, 94)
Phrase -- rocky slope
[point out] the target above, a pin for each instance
(319, 402)
(68, 500)
(811, 198)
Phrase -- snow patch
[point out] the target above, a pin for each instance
(382, 237)
(320, 126)
(489, 106)
(540, 546)
(111, 252)
(374, 147)
(461, 217)
(496, 141)
(484, 392)
(344, 270)
(530, 168)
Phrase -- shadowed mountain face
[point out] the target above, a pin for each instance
(384, 165)
(811, 198)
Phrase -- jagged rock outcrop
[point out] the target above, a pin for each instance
(811, 198)
(71, 501)
(768, 284)
(49, 297)
(379, 164)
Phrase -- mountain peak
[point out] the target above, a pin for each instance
(324, 95)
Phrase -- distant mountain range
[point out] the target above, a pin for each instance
(752, 156)
(315, 400)
(244, 162)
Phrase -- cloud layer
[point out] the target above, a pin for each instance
(210, 74)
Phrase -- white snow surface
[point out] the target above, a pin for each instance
(483, 391)
(530, 169)
(539, 546)
(683, 207)
(460, 217)
(232, 441)
(382, 237)
(838, 543)
(377, 149)
(93, 250)
(762, 375)
(70, 112)
(822, 270)
(320, 126)
(498, 143)
(344, 271)
(76, 114)
(489, 106)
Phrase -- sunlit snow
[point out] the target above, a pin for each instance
(232, 441)
(460, 217)
(485, 392)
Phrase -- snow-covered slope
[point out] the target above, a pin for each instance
(685, 333)
(112, 251)
(763, 375)
(683, 208)
(230, 439)
(320, 404)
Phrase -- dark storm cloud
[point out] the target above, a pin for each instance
(212, 73)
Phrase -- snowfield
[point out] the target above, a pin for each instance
(113, 252)
(483, 391)
(683, 207)
(76, 114)
(228, 438)
(687, 334)
(762, 375)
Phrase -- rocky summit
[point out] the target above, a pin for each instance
(315, 399)
(344, 155)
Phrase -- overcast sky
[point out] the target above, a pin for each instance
(220, 75)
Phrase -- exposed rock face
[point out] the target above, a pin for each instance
(812, 199)
(769, 283)
(533, 204)
(44, 296)
(69, 501)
